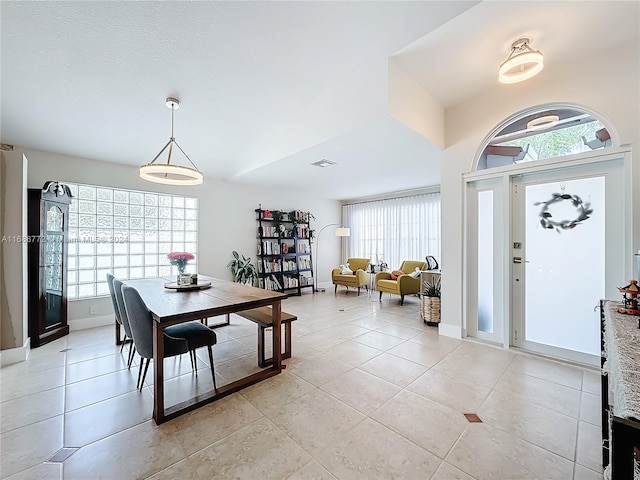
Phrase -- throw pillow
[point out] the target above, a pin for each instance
(395, 274)
(345, 270)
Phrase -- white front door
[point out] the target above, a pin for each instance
(567, 252)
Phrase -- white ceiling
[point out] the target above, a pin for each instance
(464, 54)
(266, 88)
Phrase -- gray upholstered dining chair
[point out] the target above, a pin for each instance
(178, 339)
(116, 310)
(124, 319)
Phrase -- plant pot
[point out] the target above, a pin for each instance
(430, 310)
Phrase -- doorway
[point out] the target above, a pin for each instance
(566, 226)
(543, 245)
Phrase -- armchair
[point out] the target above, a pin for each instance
(359, 278)
(405, 284)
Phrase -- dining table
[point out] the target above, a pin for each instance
(171, 306)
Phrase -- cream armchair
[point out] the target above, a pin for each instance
(405, 284)
(359, 278)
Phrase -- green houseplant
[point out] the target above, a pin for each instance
(430, 301)
(243, 269)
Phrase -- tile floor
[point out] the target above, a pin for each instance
(371, 392)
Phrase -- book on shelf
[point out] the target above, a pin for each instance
(267, 231)
(268, 248)
(304, 263)
(277, 282)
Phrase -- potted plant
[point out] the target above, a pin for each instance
(243, 269)
(430, 301)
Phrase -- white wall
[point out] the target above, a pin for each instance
(227, 219)
(414, 107)
(13, 255)
(607, 84)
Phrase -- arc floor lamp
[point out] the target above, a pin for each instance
(339, 232)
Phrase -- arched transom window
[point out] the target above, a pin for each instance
(544, 133)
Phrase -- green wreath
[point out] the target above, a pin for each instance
(547, 221)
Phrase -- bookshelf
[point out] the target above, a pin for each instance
(284, 251)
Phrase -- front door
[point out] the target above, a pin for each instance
(567, 252)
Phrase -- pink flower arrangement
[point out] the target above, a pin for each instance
(180, 259)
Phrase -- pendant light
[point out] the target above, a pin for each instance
(522, 63)
(168, 173)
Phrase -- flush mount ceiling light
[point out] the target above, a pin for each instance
(168, 173)
(544, 122)
(522, 63)
(323, 163)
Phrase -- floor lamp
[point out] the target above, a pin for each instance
(340, 232)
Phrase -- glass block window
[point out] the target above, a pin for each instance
(126, 233)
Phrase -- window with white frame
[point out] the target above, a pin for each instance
(127, 233)
(394, 230)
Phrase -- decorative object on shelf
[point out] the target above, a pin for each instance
(430, 300)
(339, 232)
(630, 295)
(180, 260)
(243, 269)
(166, 172)
(546, 218)
(522, 63)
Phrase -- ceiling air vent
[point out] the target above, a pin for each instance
(323, 163)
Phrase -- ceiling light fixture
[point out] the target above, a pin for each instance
(522, 63)
(544, 122)
(168, 173)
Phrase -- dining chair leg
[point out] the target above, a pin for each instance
(213, 372)
(132, 352)
(193, 365)
(139, 373)
(146, 366)
(122, 344)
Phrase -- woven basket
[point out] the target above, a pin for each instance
(430, 309)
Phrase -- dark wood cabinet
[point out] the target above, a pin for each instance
(48, 210)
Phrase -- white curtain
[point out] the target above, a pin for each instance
(394, 230)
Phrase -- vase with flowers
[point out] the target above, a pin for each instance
(180, 260)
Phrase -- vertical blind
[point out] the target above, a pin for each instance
(394, 230)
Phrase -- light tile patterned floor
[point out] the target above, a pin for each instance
(371, 392)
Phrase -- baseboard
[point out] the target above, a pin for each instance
(91, 322)
(15, 355)
(453, 331)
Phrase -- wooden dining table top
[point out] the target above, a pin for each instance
(169, 306)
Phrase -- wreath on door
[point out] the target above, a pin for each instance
(583, 210)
